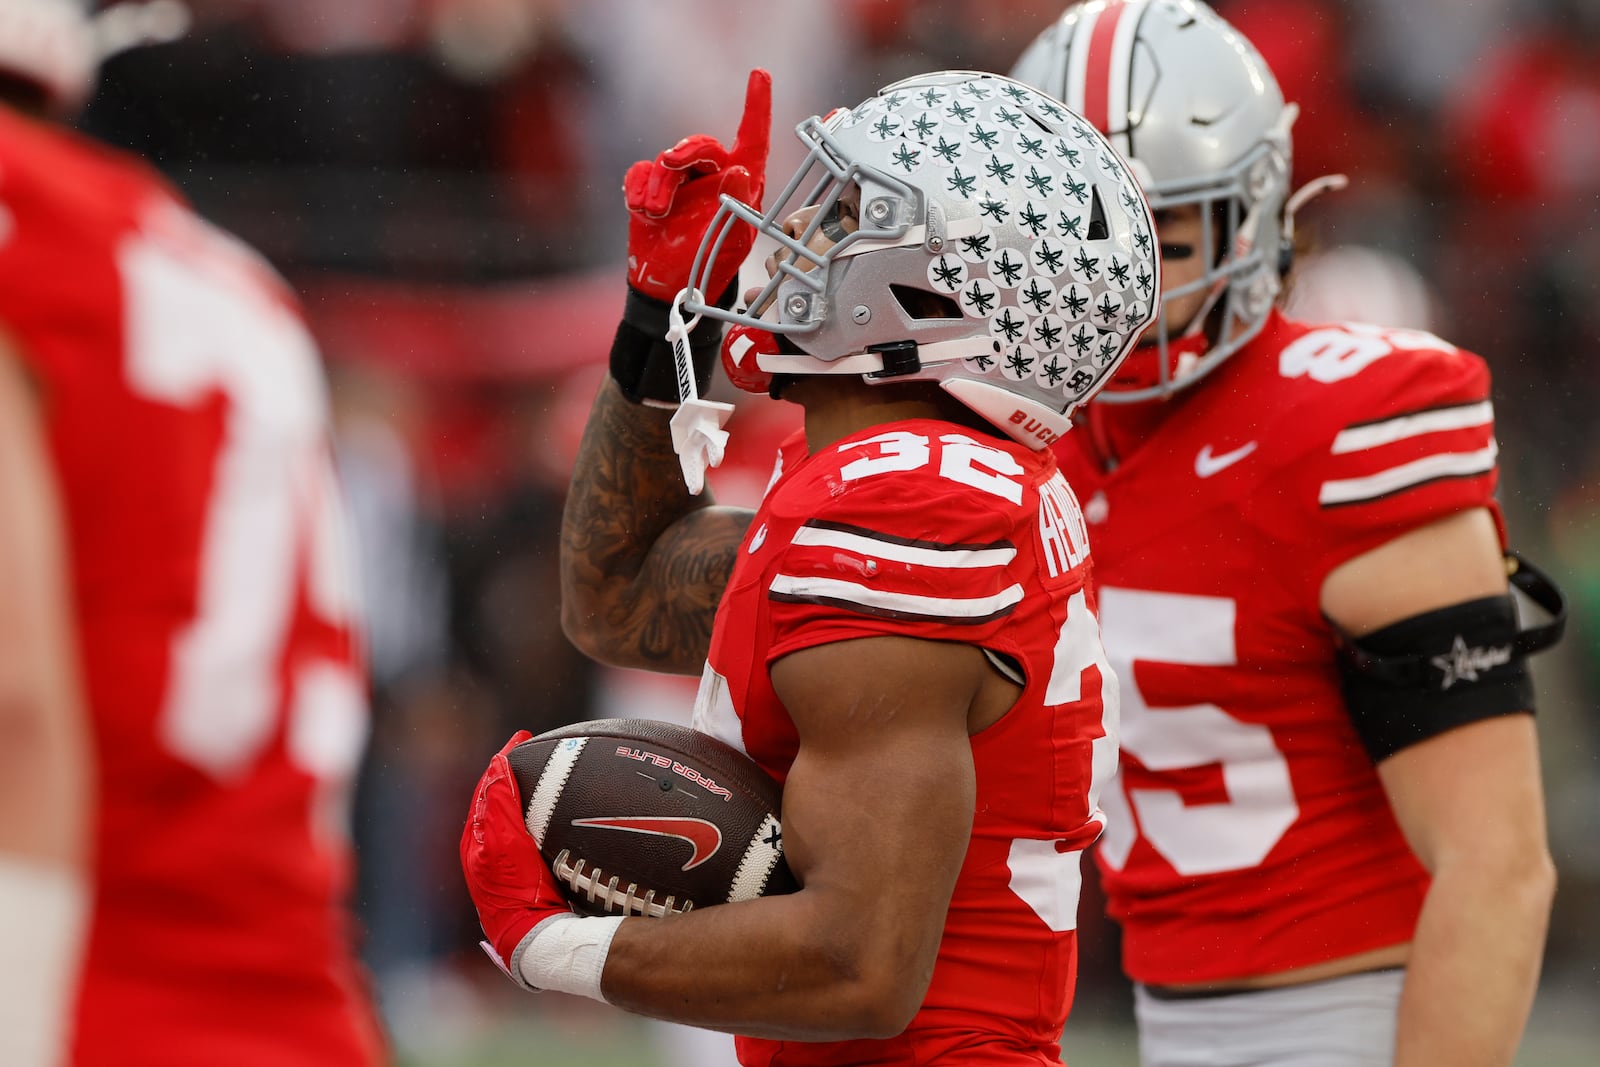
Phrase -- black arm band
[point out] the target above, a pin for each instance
(641, 356)
(1430, 673)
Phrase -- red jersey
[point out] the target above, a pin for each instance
(921, 529)
(1248, 831)
(187, 426)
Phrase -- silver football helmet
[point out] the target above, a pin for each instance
(1195, 109)
(1003, 250)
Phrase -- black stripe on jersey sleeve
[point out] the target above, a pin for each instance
(1410, 487)
(909, 542)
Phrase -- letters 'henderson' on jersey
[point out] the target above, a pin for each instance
(187, 426)
(1245, 802)
(923, 529)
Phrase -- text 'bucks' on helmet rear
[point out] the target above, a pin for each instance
(1003, 250)
(1195, 109)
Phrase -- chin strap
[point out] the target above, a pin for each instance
(697, 434)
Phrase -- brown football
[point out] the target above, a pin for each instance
(639, 817)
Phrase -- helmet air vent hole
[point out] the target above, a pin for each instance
(924, 304)
(1098, 230)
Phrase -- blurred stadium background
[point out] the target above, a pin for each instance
(441, 181)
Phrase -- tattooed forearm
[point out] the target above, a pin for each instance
(643, 563)
(682, 584)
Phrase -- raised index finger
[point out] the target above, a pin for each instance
(755, 128)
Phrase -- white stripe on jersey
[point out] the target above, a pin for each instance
(881, 602)
(1372, 435)
(1443, 465)
(880, 548)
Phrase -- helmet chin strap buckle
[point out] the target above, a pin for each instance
(899, 358)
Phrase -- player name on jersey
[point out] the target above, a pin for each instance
(1061, 527)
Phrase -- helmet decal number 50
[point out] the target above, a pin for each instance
(1195, 838)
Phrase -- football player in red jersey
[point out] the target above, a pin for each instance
(182, 701)
(1327, 841)
(903, 633)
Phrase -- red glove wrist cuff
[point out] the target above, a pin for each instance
(641, 358)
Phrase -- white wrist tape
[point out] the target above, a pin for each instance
(44, 913)
(566, 954)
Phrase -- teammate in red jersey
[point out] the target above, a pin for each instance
(181, 694)
(1327, 842)
(906, 635)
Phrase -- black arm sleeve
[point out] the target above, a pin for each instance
(1421, 676)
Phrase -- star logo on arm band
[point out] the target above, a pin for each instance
(1463, 663)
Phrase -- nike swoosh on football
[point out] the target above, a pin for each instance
(703, 835)
(1205, 464)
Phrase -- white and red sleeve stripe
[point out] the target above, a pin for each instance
(869, 572)
(1374, 460)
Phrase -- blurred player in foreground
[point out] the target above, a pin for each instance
(904, 632)
(181, 698)
(1327, 842)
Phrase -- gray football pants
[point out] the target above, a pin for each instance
(1340, 1022)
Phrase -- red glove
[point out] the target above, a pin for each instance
(510, 883)
(671, 200)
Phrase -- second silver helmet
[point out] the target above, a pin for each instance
(1195, 109)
